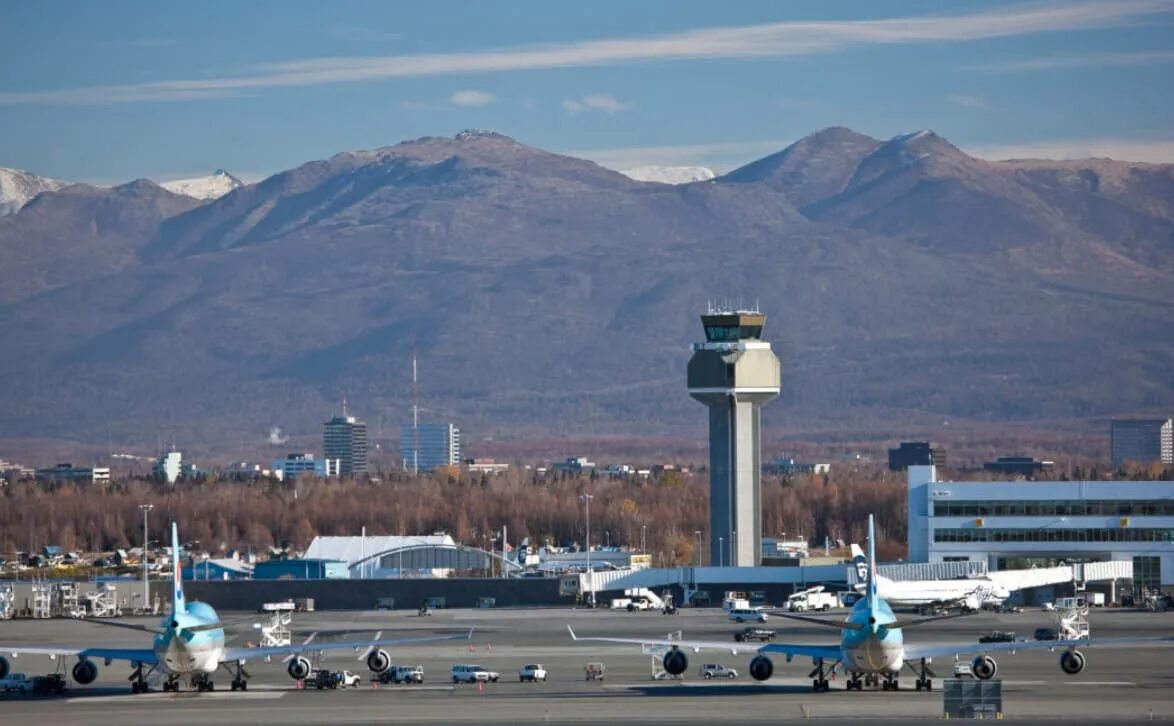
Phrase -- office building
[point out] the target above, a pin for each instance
(916, 453)
(429, 446)
(295, 465)
(1142, 441)
(345, 438)
(1020, 525)
(80, 474)
(1022, 465)
(734, 373)
(167, 467)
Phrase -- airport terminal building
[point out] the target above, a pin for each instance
(1024, 524)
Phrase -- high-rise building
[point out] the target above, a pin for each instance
(345, 438)
(916, 453)
(734, 372)
(429, 446)
(1142, 440)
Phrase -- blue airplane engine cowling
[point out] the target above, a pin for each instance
(203, 611)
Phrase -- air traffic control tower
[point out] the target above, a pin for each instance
(734, 372)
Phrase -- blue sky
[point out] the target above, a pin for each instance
(112, 91)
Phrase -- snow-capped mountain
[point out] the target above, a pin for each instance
(669, 174)
(204, 187)
(18, 187)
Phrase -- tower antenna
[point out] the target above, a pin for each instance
(415, 414)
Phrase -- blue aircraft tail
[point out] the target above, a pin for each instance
(178, 604)
(873, 597)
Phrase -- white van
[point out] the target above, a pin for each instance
(747, 615)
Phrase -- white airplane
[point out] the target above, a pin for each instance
(189, 643)
(968, 594)
(872, 646)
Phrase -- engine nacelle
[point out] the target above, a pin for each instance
(379, 661)
(3, 667)
(761, 668)
(1072, 662)
(984, 667)
(299, 668)
(675, 662)
(85, 672)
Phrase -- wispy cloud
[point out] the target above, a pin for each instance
(720, 156)
(752, 41)
(472, 98)
(966, 101)
(1157, 151)
(599, 102)
(1088, 60)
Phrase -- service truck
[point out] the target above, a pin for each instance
(813, 598)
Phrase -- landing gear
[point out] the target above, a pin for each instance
(239, 676)
(854, 683)
(891, 683)
(203, 683)
(924, 675)
(138, 680)
(819, 676)
(171, 684)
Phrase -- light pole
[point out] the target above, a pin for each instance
(590, 583)
(643, 539)
(697, 535)
(145, 508)
(721, 551)
(607, 538)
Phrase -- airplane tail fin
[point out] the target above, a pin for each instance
(861, 561)
(873, 598)
(178, 604)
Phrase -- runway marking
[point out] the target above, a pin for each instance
(1098, 683)
(159, 696)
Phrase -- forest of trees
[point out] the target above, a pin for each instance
(264, 513)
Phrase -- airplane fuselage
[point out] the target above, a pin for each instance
(873, 648)
(192, 642)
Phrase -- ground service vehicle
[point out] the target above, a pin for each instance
(1046, 634)
(751, 634)
(466, 673)
(533, 672)
(747, 615)
(717, 670)
(812, 599)
(16, 682)
(997, 636)
(402, 674)
(594, 671)
(50, 685)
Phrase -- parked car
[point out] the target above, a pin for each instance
(998, 636)
(717, 670)
(532, 672)
(1046, 634)
(16, 682)
(402, 674)
(750, 634)
(743, 615)
(465, 673)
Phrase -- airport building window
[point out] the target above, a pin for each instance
(1056, 508)
(1124, 534)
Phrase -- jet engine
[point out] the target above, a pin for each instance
(984, 667)
(761, 668)
(85, 672)
(675, 662)
(379, 661)
(299, 668)
(1072, 662)
(3, 667)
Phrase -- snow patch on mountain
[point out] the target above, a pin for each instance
(18, 187)
(204, 187)
(669, 174)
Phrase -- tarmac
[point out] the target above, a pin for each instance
(1118, 684)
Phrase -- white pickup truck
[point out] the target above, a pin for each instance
(16, 682)
(533, 672)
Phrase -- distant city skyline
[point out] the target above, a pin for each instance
(108, 93)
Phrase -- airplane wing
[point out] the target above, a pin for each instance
(914, 651)
(733, 648)
(243, 654)
(134, 655)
